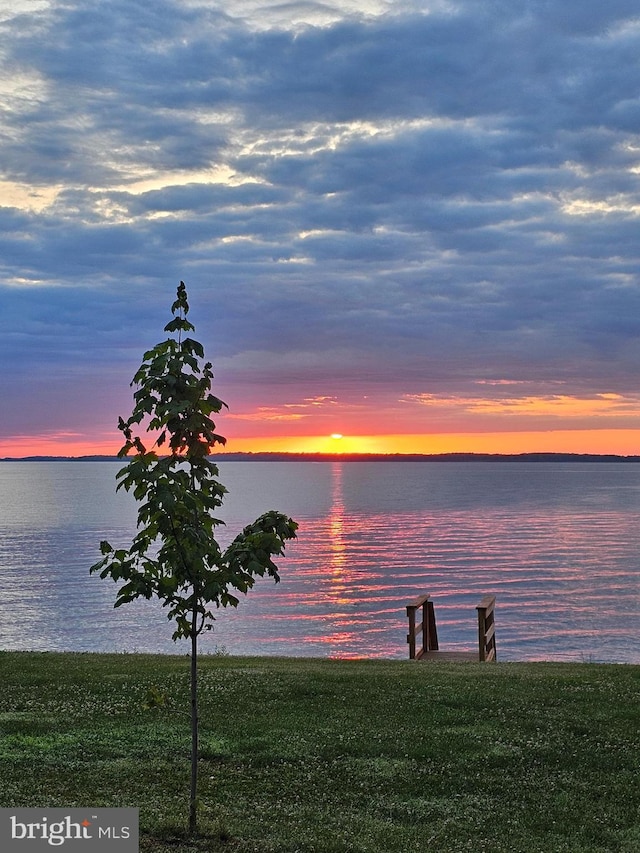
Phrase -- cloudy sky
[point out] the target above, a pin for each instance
(415, 224)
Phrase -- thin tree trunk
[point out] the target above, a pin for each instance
(193, 817)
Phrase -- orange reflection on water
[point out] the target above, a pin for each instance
(337, 521)
(356, 591)
(349, 588)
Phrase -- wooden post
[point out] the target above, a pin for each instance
(424, 646)
(430, 631)
(420, 603)
(411, 636)
(486, 629)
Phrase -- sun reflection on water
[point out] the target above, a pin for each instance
(337, 523)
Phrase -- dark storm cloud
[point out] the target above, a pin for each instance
(435, 197)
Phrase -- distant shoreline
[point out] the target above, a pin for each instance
(364, 457)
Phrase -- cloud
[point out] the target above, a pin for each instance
(364, 199)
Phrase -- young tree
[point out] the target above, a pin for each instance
(175, 556)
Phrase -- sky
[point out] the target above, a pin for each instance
(413, 225)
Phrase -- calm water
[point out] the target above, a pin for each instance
(558, 543)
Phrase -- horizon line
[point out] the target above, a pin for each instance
(284, 456)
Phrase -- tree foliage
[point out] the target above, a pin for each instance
(175, 556)
(179, 492)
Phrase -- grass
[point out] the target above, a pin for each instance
(330, 757)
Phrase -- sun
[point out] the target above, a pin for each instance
(336, 436)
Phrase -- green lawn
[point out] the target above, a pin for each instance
(328, 756)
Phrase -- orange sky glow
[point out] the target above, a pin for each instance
(424, 423)
(624, 442)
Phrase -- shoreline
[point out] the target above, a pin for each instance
(364, 457)
(303, 660)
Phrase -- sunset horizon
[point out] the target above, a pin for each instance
(589, 442)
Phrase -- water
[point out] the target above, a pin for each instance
(557, 543)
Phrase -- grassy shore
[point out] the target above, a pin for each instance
(330, 757)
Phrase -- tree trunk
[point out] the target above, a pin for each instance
(193, 817)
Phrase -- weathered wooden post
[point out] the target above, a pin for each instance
(411, 636)
(427, 626)
(487, 628)
(430, 631)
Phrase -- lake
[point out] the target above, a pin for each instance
(558, 543)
